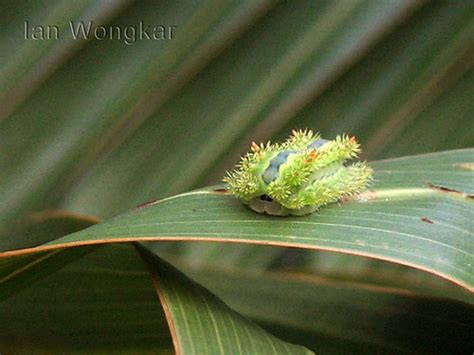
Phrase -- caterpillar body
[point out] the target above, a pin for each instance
(299, 175)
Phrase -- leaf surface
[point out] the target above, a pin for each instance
(402, 219)
(348, 317)
(202, 324)
(101, 302)
(106, 91)
(99, 299)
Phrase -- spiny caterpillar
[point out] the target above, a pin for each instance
(299, 175)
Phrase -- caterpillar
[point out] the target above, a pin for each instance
(300, 175)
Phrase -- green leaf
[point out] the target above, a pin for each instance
(368, 271)
(66, 128)
(26, 62)
(403, 219)
(89, 306)
(187, 138)
(42, 227)
(101, 126)
(27, 268)
(401, 83)
(203, 324)
(100, 299)
(343, 317)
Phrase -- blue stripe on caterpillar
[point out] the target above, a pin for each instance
(299, 175)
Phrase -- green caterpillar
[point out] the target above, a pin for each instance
(299, 175)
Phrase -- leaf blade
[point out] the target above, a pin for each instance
(199, 322)
(443, 248)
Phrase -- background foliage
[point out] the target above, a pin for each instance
(99, 127)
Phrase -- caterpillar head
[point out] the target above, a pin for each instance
(299, 175)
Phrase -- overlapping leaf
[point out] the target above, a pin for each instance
(202, 324)
(90, 305)
(312, 311)
(187, 138)
(105, 301)
(107, 88)
(124, 124)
